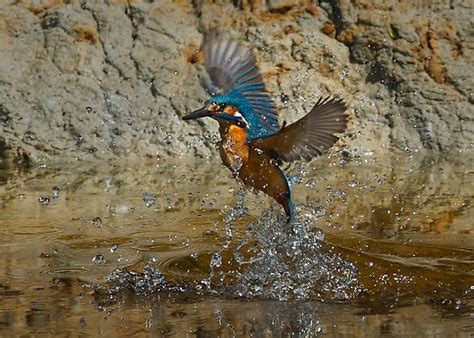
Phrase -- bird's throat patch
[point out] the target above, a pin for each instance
(231, 110)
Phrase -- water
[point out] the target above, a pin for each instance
(381, 246)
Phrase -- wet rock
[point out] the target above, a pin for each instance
(96, 80)
(74, 75)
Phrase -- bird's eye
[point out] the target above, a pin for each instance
(222, 106)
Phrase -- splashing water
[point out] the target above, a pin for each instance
(292, 262)
(147, 282)
(274, 261)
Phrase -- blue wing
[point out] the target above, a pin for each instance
(234, 73)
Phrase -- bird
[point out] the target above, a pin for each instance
(253, 145)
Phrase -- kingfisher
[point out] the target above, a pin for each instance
(253, 145)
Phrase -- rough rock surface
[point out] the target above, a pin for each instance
(110, 79)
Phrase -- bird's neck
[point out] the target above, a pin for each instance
(231, 132)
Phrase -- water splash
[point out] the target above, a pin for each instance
(272, 261)
(149, 281)
(141, 283)
(292, 262)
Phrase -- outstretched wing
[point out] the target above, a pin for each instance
(308, 137)
(233, 71)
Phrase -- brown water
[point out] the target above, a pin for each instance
(397, 256)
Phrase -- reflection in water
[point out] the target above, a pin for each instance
(397, 255)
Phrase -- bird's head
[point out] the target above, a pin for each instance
(220, 108)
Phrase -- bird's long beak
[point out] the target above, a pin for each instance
(202, 112)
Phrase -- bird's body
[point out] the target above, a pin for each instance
(252, 145)
(254, 167)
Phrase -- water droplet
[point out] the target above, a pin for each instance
(44, 200)
(98, 259)
(55, 192)
(236, 163)
(352, 183)
(311, 183)
(149, 199)
(113, 248)
(345, 72)
(216, 260)
(207, 283)
(97, 221)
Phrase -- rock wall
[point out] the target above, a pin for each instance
(110, 79)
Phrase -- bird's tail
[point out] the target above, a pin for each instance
(290, 210)
(285, 200)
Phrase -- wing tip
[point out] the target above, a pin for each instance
(332, 99)
(335, 104)
(211, 35)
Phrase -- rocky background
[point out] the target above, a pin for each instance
(95, 80)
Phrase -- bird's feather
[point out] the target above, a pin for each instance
(233, 71)
(308, 137)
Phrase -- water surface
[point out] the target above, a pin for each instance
(382, 246)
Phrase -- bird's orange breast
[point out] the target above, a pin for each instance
(235, 150)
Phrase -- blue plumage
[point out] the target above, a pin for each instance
(261, 123)
(236, 81)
